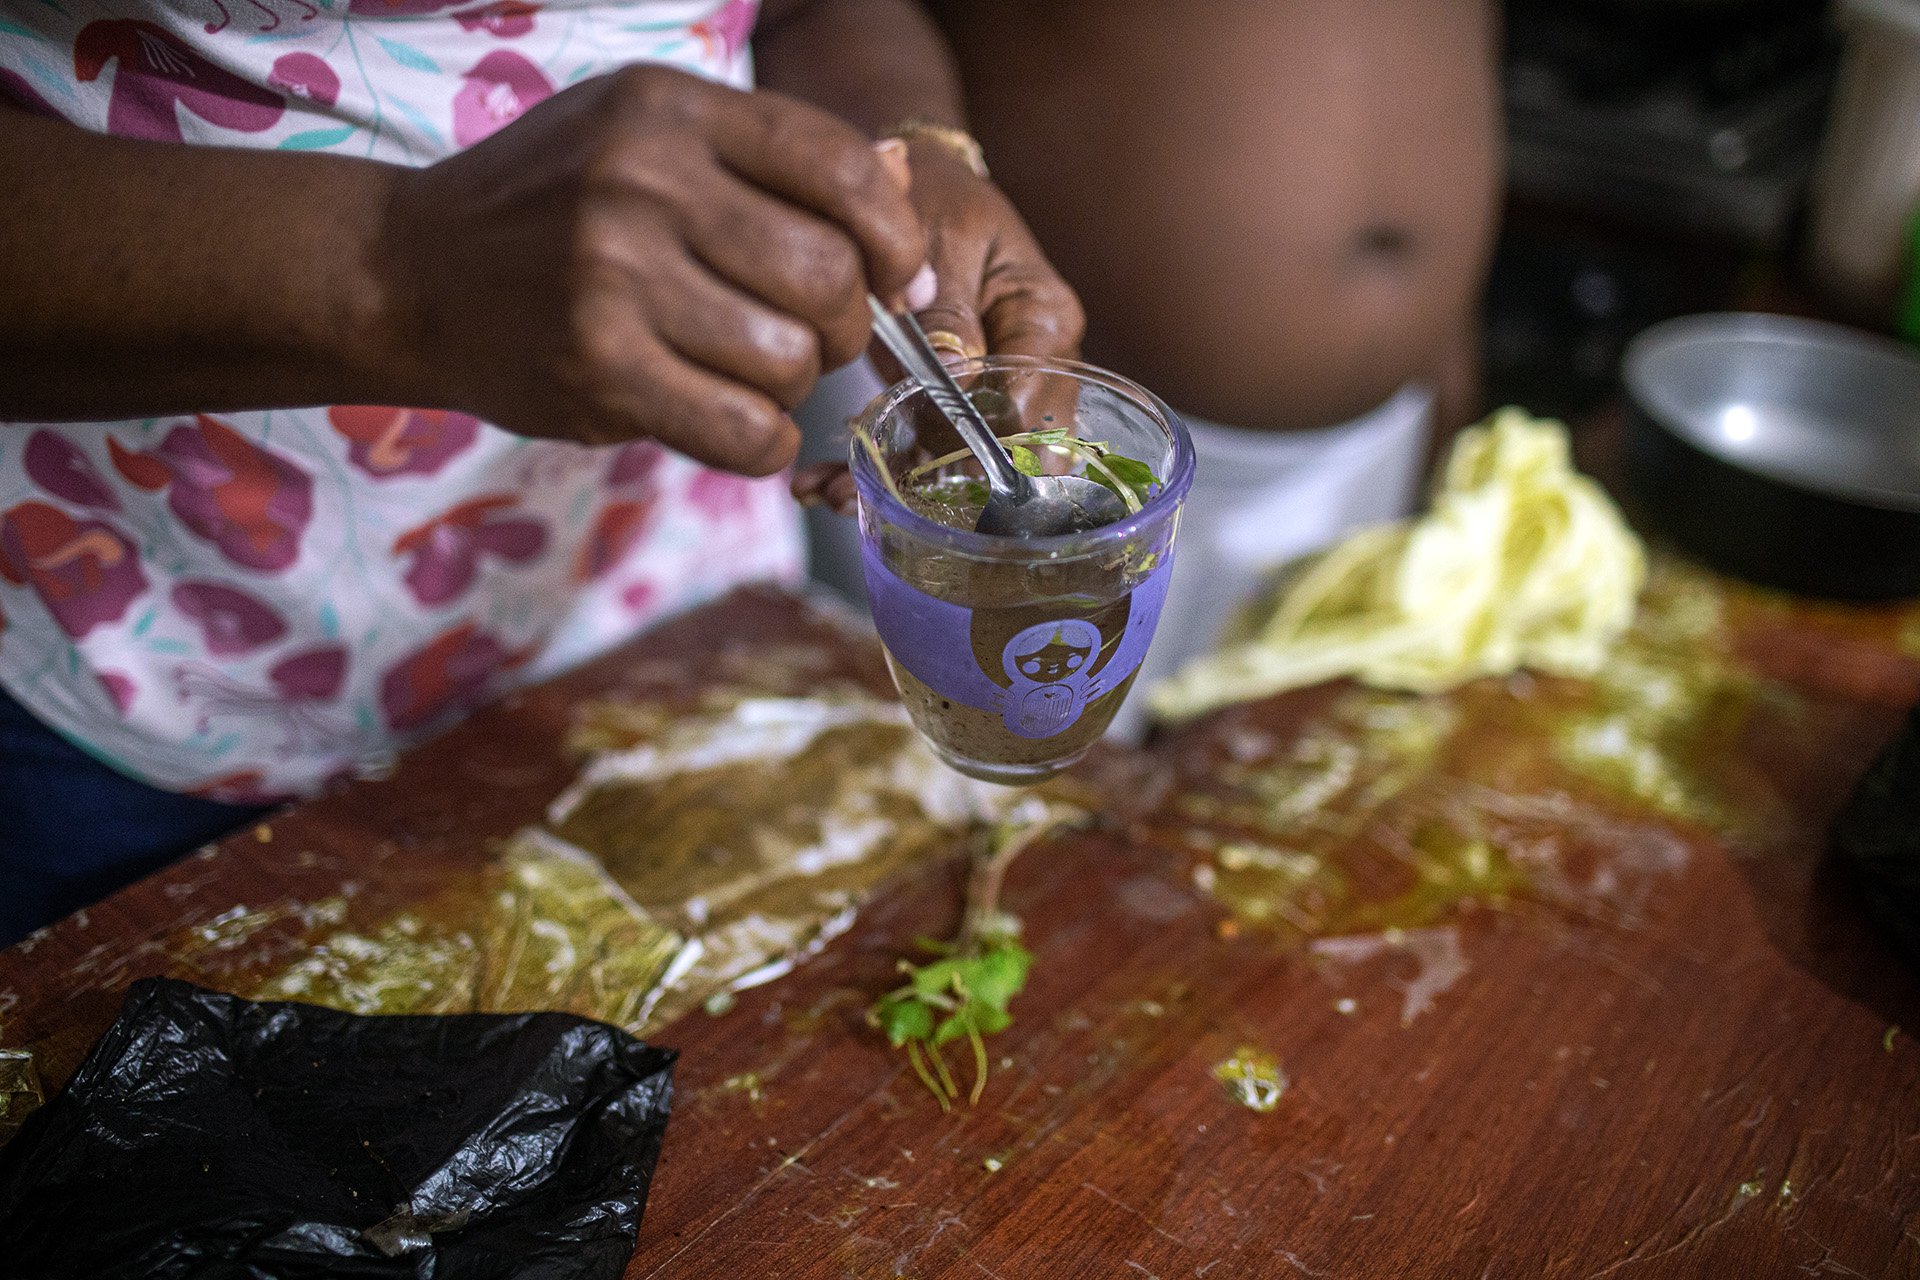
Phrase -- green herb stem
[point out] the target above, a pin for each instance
(966, 989)
(1098, 463)
(979, 1066)
(872, 448)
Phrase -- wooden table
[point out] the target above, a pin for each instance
(1551, 1003)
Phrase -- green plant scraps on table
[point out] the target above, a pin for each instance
(963, 992)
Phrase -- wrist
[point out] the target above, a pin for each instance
(381, 337)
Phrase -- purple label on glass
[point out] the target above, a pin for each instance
(1038, 675)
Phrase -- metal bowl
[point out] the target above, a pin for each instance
(1782, 450)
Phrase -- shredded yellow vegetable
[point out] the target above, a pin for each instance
(1522, 562)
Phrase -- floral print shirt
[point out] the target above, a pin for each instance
(246, 605)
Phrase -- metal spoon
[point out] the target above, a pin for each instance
(1018, 505)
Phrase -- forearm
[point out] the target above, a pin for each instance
(142, 278)
(872, 62)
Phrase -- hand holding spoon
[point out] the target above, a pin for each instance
(1018, 505)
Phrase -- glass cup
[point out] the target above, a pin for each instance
(1012, 654)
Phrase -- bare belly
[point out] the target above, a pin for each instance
(1276, 211)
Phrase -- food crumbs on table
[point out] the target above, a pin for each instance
(1252, 1079)
(1347, 1005)
(719, 1003)
(748, 1083)
(993, 1164)
(263, 833)
(1886, 1041)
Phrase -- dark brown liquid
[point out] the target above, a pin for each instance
(1007, 597)
(963, 733)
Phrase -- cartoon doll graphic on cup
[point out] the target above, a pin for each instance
(1050, 666)
(1000, 691)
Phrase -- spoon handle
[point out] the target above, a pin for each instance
(902, 335)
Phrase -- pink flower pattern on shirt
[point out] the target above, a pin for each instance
(303, 75)
(504, 18)
(397, 442)
(293, 700)
(248, 605)
(265, 16)
(720, 494)
(449, 674)
(730, 26)
(497, 92)
(120, 688)
(398, 8)
(243, 497)
(58, 466)
(156, 71)
(444, 554)
(231, 621)
(85, 572)
(622, 522)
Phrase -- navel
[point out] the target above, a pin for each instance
(1382, 244)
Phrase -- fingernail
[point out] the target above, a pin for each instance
(922, 289)
(893, 156)
(949, 346)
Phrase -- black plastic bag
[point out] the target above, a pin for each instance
(1877, 838)
(210, 1136)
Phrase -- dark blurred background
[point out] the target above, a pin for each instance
(1671, 156)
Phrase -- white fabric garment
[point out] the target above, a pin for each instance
(1261, 499)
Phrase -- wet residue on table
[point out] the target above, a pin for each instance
(1386, 811)
(1252, 1079)
(542, 926)
(699, 853)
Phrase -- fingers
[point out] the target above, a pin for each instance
(715, 326)
(952, 318)
(709, 417)
(892, 153)
(794, 261)
(1026, 308)
(996, 291)
(922, 289)
(1008, 305)
(798, 261)
(807, 156)
(721, 423)
(826, 484)
(1030, 311)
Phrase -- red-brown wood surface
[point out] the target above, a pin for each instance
(1663, 1050)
